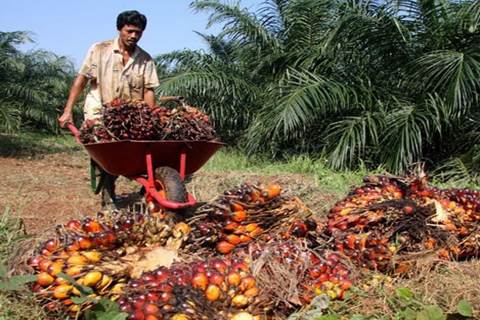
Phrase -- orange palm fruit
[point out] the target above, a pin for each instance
(233, 239)
(92, 278)
(252, 292)
(273, 191)
(200, 281)
(213, 292)
(62, 291)
(239, 216)
(233, 279)
(225, 247)
(234, 206)
(239, 300)
(44, 279)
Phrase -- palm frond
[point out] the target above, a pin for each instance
(452, 74)
(349, 138)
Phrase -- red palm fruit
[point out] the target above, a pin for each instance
(408, 209)
(351, 241)
(314, 272)
(152, 297)
(233, 239)
(137, 315)
(34, 261)
(92, 226)
(216, 278)
(212, 292)
(45, 252)
(233, 279)
(298, 229)
(200, 281)
(323, 277)
(52, 245)
(239, 216)
(247, 283)
(314, 259)
(225, 247)
(151, 317)
(346, 284)
(151, 308)
(74, 225)
(234, 206)
(73, 247)
(165, 287)
(165, 297)
(84, 243)
(219, 265)
(44, 264)
(240, 266)
(162, 274)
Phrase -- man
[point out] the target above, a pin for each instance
(116, 68)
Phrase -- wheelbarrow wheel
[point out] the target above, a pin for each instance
(171, 184)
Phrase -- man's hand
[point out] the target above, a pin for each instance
(67, 117)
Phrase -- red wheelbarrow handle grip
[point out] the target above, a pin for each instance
(74, 131)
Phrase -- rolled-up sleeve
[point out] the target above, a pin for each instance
(90, 65)
(151, 78)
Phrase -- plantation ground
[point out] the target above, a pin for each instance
(52, 186)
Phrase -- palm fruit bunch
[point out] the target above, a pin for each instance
(135, 120)
(218, 288)
(187, 123)
(240, 216)
(147, 229)
(290, 273)
(99, 253)
(123, 120)
(378, 223)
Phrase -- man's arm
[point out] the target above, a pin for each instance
(77, 87)
(149, 97)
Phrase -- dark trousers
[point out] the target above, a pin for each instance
(108, 189)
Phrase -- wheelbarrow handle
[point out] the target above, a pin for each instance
(74, 131)
(164, 99)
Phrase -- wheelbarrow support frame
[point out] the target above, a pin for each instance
(147, 179)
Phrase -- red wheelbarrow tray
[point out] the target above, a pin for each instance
(136, 159)
(127, 157)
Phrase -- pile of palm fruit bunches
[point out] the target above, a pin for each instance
(255, 252)
(135, 120)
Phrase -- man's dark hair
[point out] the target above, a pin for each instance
(132, 17)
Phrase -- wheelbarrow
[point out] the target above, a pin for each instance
(159, 166)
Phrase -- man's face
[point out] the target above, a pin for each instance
(130, 35)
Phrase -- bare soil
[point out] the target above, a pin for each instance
(52, 189)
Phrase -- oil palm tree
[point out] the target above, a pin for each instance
(33, 85)
(378, 82)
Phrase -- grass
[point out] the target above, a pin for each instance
(27, 144)
(19, 305)
(337, 182)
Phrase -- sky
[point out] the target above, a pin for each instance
(69, 27)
